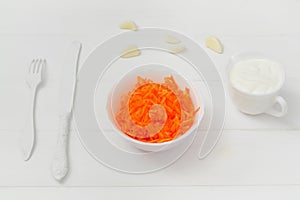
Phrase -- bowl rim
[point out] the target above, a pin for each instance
(200, 114)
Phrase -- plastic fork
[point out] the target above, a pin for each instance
(34, 78)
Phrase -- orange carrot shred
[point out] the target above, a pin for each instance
(156, 113)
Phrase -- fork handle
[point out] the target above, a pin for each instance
(27, 138)
(60, 165)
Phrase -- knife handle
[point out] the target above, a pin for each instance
(60, 165)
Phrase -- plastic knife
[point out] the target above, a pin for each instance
(60, 165)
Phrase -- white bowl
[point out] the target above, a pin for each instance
(155, 72)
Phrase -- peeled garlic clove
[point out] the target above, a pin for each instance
(214, 44)
(172, 40)
(129, 25)
(130, 51)
(177, 49)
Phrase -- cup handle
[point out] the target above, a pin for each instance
(283, 107)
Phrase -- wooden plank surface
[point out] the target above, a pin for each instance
(240, 158)
(256, 158)
(148, 193)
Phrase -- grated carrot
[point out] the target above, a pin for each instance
(156, 113)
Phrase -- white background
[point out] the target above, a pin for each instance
(256, 158)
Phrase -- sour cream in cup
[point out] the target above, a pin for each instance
(255, 82)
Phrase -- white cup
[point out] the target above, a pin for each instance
(270, 103)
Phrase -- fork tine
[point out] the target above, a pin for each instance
(31, 67)
(37, 66)
(43, 65)
(38, 63)
(40, 66)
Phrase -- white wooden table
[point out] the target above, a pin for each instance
(256, 158)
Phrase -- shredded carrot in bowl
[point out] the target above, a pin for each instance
(156, 112)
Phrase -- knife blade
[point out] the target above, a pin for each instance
(67, 89)
(68, 82)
